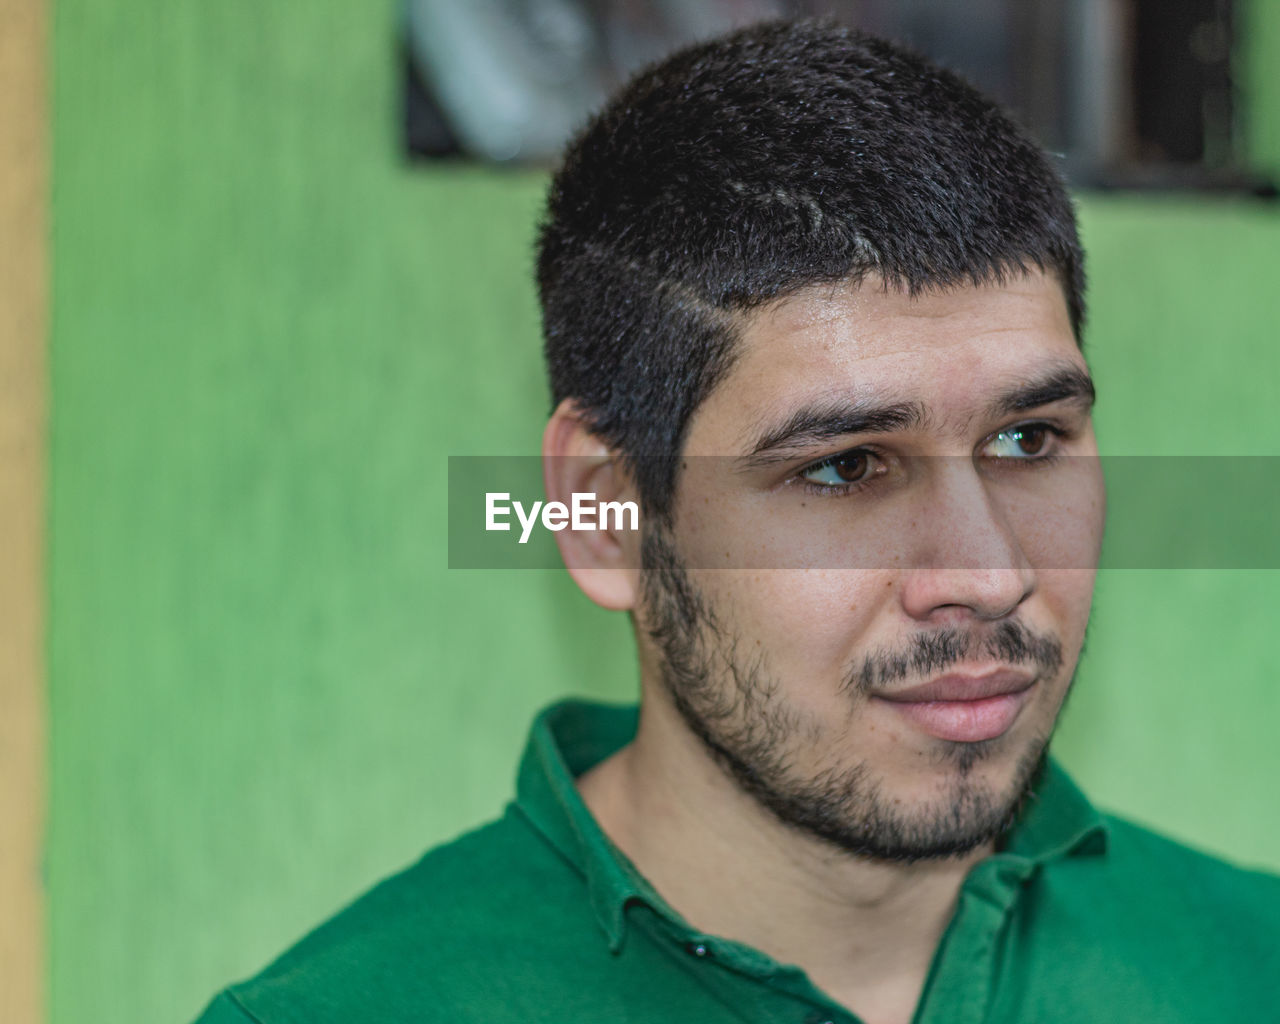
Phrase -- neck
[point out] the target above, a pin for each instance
(864, 931)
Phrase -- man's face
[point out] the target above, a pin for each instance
(875, 590)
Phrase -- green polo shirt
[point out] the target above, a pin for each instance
(1081, 918)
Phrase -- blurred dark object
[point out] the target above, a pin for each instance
(514, 78)
(1187, 124)
(426, 127)
(1129, 93)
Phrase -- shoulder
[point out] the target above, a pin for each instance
(1193, 880)
(423, 941)
(1157, 883)
(1146, 928)
(1153, 922)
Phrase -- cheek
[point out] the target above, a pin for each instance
(807, 625)
(728, 526)
(1059, 524)
(1060, 531)
(1067, 594)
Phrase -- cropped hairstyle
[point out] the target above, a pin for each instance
(740, 170)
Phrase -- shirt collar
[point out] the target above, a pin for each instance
(572, 736)
(566, 739)
(1056, 821)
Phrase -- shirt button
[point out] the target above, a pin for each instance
(816, 1018)
(697, 949)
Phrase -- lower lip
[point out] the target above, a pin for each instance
(964, 721)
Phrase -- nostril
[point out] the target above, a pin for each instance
(947, 595)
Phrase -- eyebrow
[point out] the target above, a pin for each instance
(815, 424)
(1063, 383)
(826, 421)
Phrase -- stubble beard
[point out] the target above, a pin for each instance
(736, 709)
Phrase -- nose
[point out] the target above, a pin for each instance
(967, 559)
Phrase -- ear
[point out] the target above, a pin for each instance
(603, 561)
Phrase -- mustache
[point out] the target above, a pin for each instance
(929, 653)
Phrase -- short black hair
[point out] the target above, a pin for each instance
(740, 170)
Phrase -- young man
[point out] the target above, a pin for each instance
(816, 306)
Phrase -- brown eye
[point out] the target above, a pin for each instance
(1032, 442)
(851, 467)
(1032, 439)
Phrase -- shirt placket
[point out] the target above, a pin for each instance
(963, 977)
(754, 988)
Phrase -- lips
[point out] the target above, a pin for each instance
(964, 708)
(959, 687)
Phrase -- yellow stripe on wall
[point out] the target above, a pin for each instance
(23, 305)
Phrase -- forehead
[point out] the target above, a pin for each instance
(949, 351)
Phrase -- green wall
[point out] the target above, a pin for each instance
(267, 689)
